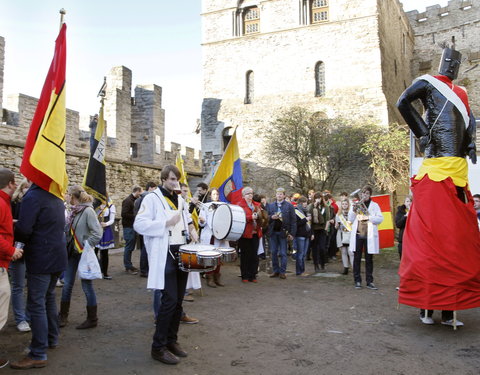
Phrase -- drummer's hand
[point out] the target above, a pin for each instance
(173, 220)
(201, 219)
(290, 237)
(194, 236)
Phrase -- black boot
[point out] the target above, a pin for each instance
(92, 319)
(63, 314)
(345, 271)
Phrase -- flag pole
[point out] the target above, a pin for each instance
(62, 14)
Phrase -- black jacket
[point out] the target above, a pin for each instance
(401, 220)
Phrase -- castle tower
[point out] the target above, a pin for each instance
(348, 58)
(148, 125)
(460, 20)
(118, 110)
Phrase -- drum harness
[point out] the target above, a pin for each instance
(172, 207)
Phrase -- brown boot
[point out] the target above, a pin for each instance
(92, 319)
(210, 281)
(216, 279)
(63, 314)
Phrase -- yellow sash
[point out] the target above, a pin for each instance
(344, 222)
(438, 169)
(170, 203)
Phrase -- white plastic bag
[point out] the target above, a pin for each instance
(88, 267)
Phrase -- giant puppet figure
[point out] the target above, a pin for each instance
(440, 267)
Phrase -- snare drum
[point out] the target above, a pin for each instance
(188, 260)
(228, 222)
(209, 258)
(228, 254)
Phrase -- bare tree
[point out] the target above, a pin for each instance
(312, 150)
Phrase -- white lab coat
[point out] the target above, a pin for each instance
(150, 222)
(374, 219)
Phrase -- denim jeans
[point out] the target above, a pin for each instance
(278, 248)
(17, 282)
(87, 285)
(129, 237)
(42, 309)
(302, 247)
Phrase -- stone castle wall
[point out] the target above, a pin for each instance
(137, 122)
(361, 80)
(459, 19)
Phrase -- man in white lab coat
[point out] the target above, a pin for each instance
(159, 212)
(364, 237)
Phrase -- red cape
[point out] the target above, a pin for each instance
(440, 267)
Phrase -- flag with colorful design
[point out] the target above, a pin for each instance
(95, 179)
(228, 176)
(44, 155)
(386, 232)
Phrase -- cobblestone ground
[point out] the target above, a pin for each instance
(308, 325)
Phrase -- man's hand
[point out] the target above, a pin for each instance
(423, 142)
(473, 156)
(275, 217)
(17, 254)
(290, 237)
(174, 220)
(201, 219)
(193, 234)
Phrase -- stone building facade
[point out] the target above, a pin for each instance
(345, 58)
(136, 149)
(260, 56)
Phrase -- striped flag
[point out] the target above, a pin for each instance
(95, 180)
(386, 231)
(44, 155)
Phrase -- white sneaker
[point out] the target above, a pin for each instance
(23, 326)
(450, 323)
(427, 320)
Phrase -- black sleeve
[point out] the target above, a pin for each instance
(408, 112)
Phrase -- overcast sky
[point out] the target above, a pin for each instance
(159, 40)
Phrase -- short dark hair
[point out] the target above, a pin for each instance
(476, 195)
(367, 188)
(183, 185)
(166, 172)
(136, 188)
(344, 193)
(302, 199)
(150, 184)
(203, 185)
(6, 176)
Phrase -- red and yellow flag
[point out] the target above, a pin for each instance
(44, 157)
(386, 233)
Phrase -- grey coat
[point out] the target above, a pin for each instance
(86, 226)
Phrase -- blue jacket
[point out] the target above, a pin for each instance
(289, 218)
(40, 226)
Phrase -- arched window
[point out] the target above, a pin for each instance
(320, 79)
(249, 87)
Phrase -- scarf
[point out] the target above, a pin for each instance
(74, 211)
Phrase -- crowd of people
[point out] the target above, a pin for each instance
(54, 233)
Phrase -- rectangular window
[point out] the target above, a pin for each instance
(251, 20)
(319, 11)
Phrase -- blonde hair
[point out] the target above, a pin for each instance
(80, 194)
(18, 193)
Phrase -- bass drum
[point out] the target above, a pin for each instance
(228, 222)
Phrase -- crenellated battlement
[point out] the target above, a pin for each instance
(436, 17)
(135, 125)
